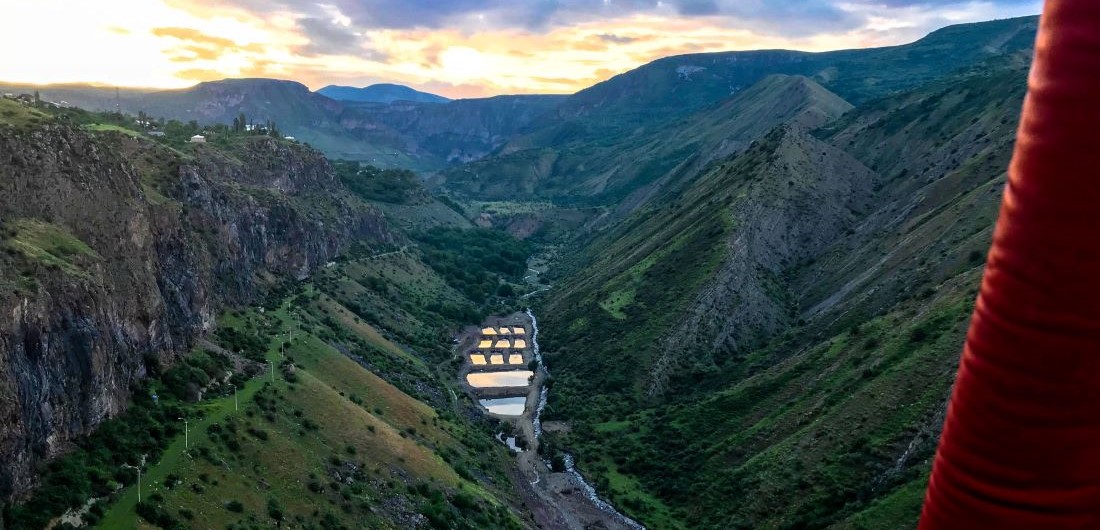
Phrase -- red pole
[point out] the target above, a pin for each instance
(1021, 444)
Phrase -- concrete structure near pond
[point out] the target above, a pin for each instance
(497, 355)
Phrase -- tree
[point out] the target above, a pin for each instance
(37, 98)
(275, 511)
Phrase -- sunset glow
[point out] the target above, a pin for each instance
(455, 49)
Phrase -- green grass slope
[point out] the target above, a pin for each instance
(799, 377)
(325, 443)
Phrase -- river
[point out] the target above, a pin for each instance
(570, 469)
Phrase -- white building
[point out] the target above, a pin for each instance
(198, 139)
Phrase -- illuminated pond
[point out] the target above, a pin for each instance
(510, 406)
(499, 379)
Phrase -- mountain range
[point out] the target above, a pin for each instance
(380, 93)
(396, 126)
(406, 134)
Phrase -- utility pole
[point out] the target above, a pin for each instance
(186, 442)
(271, 364)
(138, 468)
(234, 387)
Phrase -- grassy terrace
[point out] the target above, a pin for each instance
(104, 127)
(18, 115)
(50, 245)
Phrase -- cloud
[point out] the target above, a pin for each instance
(194, 36)
(615, 39)
(942, 3)
(545, 15)
(200, 74)
(327, 37)
(194, 45)
(454, 47)
(697, 7)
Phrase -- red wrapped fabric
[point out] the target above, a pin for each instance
(1021, 444)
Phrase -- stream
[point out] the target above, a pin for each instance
(589, 491)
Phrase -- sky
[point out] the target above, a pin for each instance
(457, 48)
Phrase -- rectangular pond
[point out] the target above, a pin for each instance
(509, 406)
(510, 378)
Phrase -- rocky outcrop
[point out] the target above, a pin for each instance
(802, 194)
(117, 253)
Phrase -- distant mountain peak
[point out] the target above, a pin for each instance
(380, 93)
(252, 83)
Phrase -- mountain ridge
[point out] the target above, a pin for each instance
(380, 93)
(649, 95)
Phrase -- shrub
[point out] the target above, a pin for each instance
(274, 510)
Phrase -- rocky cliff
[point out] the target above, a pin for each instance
(116, 253)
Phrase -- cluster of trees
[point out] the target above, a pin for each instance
(395, 186)
(475, 261)
(241, 125)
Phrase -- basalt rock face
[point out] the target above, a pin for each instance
(115, 254)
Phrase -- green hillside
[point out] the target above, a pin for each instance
(325, 400)
(770, 343)
(354, 429)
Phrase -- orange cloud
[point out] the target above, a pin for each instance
(172, 43)
(200, 74)
(193, 35)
